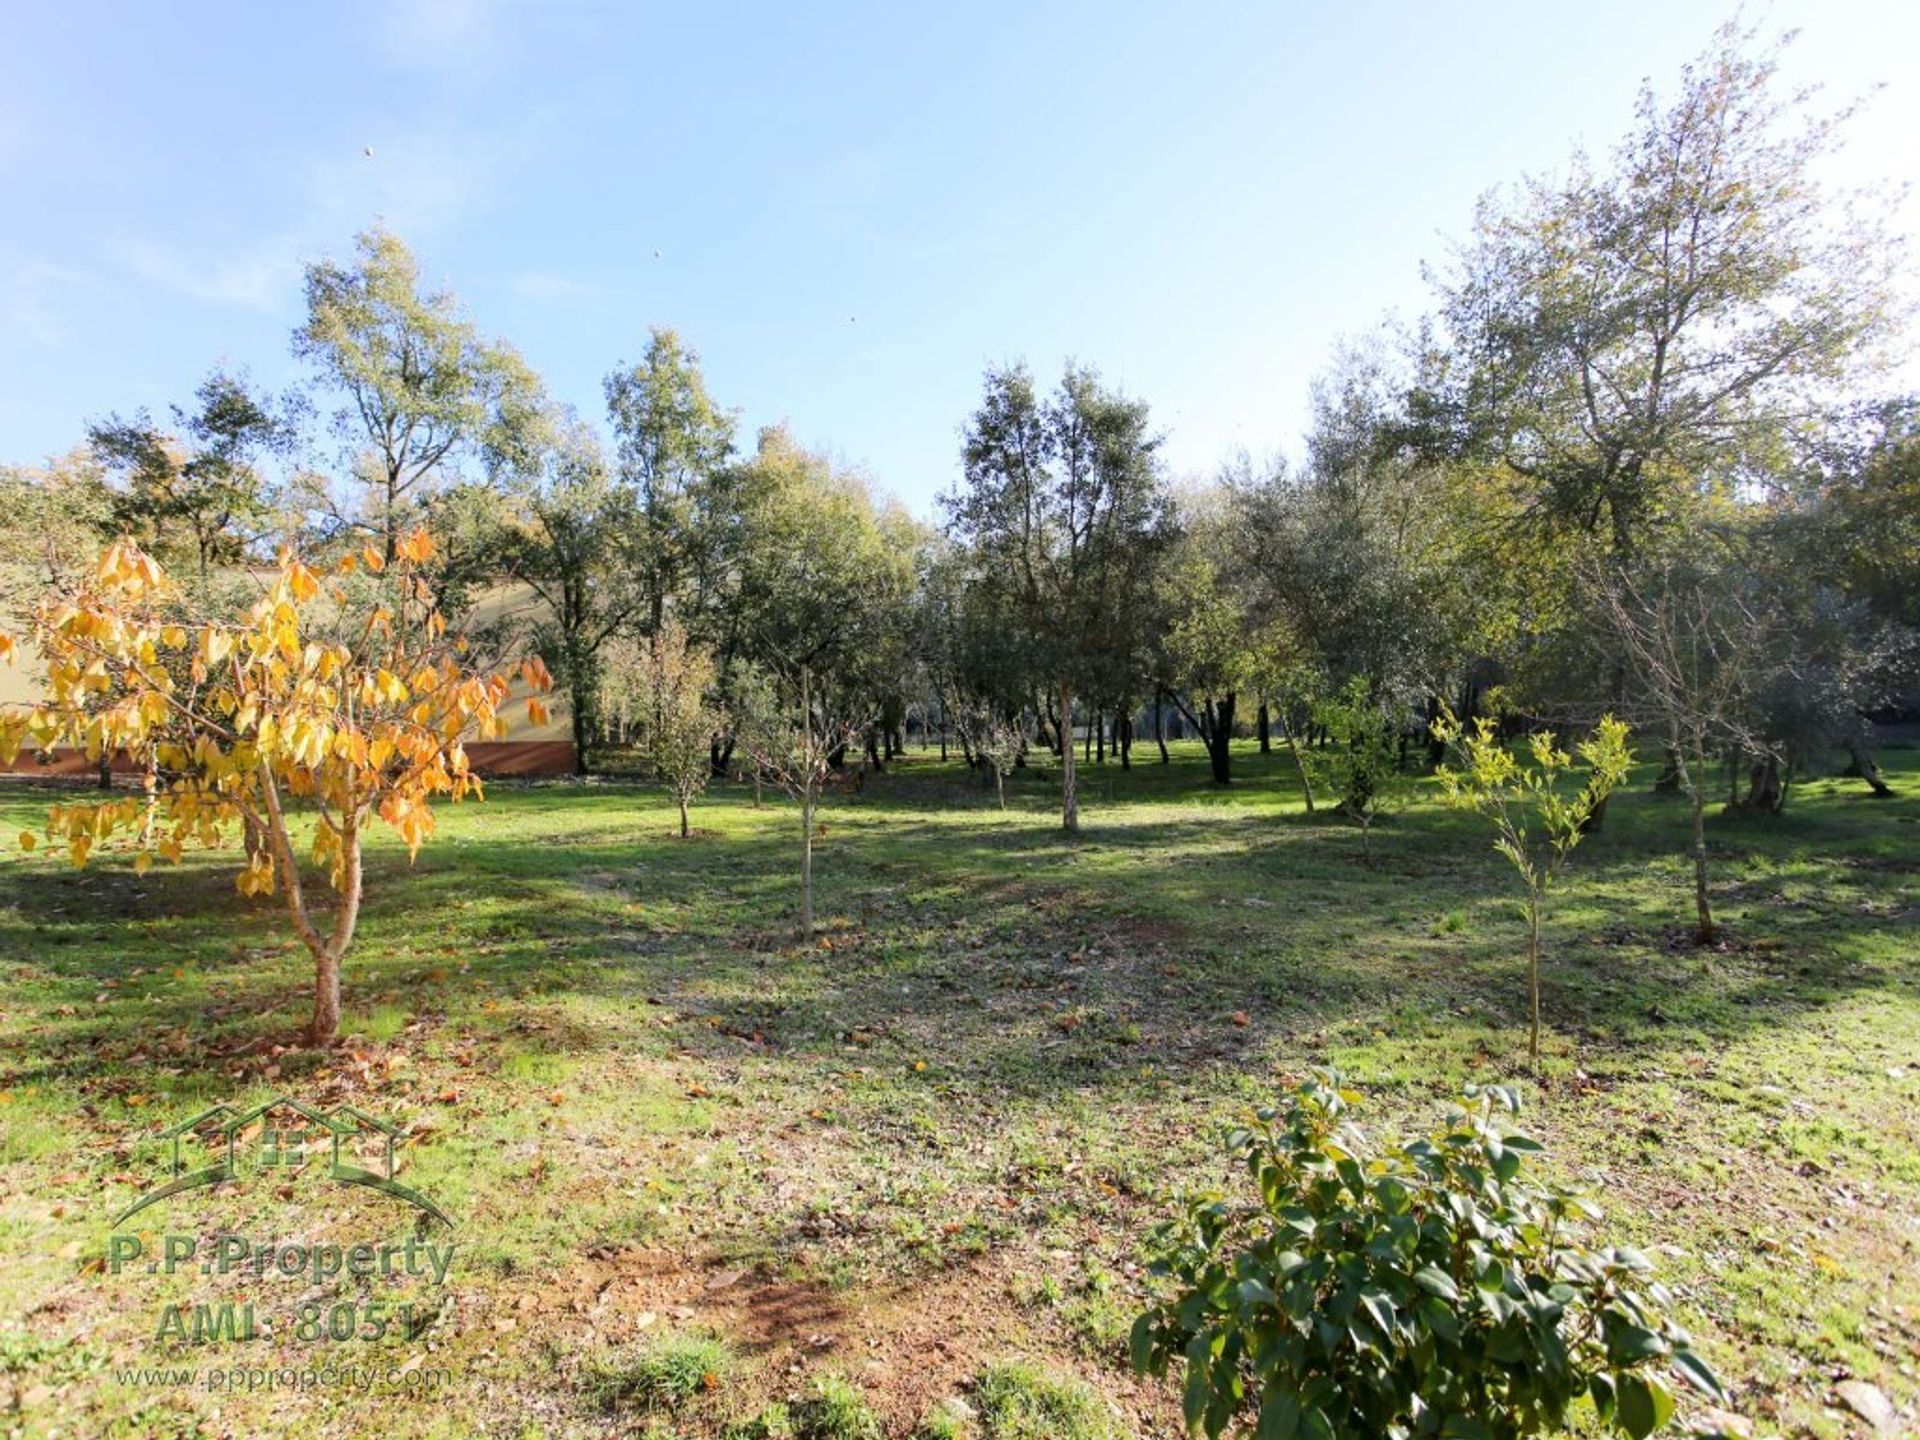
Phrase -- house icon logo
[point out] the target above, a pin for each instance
(285, 1135)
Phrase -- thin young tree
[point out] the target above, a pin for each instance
(1364, 758)
(675, 684)
(357, 704)
(1692, 641)
(994, 742)
(792, 739)
(1536, 826)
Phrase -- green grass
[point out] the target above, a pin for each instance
(948, 1121)
(665, 1375)
(834, 1409)
(1023, 1402)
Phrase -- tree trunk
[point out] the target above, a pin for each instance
(1299, 765)
(1160, 725)
(1704, 931)
(1219, 737)
(1668, 781)
(1123, 740)
(1533, 976)
(1766, 788)
(1069, 801)
(1437, 752)
(806, 862)
(684, 831)
(1000, 782)
(328, 950)
(582, 726)
(1100, 736)
(1266, 730)
(1864, 766)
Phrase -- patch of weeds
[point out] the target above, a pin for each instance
(56, 1362)
(1023, 1402)
(941, 1425)
(664, 1376)
(1100, 1315)
(772, 1423)
(836, 1410)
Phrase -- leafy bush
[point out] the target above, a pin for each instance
(1364, 763)
(1429, 1289)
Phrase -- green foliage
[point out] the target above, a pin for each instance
(1023, 1402)
(664, 1376)
(1535, 826)
(1427, 1289)
(421, 389)
(194, 496)
(678, 717)
(834, 1410)
(1365, 759)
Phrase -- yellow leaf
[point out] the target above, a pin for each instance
(28, 840)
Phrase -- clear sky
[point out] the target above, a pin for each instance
(849, 210)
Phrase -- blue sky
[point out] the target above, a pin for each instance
(855, 210)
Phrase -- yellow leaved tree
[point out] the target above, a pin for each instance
(337, 692)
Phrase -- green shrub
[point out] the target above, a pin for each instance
(664, 1376)
(1429, 1289)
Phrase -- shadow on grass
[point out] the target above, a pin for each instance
(1184, 927)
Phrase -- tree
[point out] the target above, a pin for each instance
(825, 583)
(196, 495)
(1692, 639)
(1365, 758)
(1063, 505)
(792, 741)
(423, 391)
(1628, 340)
(59, 515)
(1210, 650)
(673, 445)
(573, 550)
(1535, 826)
(342, 690)
(674, 682)
(992, 741)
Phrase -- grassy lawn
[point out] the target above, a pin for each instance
(709, 1183)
